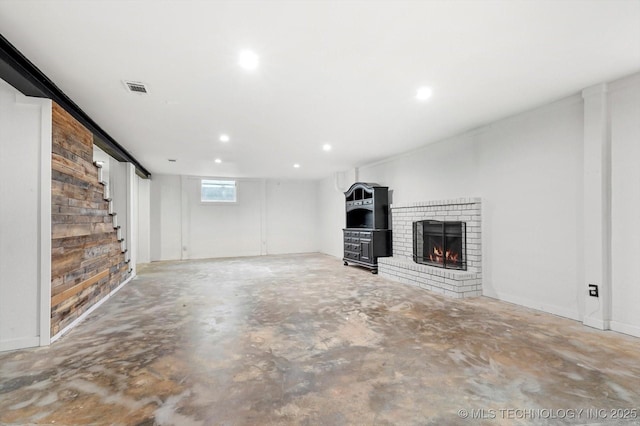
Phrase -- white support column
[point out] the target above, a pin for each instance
(46, 135)
(264, 249)
(186, 186)
(132, 217)
(25, 219)
(597, 205)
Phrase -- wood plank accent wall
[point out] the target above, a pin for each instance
(86, 259)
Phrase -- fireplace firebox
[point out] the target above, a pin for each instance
(440, 244)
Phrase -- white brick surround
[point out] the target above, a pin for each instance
(449, 282)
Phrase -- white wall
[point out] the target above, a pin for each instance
(529, 170)
(166, 217)
(131, 237)
(131, 203)
(444, 170)
(270, 217)
(331, 217)
(144, 220)
(291, 222)
(221, 229)
(119, 193)
(105, 159)
(25, 219)
(625, 204)
(530, 178)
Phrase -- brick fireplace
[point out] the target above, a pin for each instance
(450, 282)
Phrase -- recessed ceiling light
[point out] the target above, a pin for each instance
(218, 161)
(224, 138)
(326, 147)
(423, 93)
(248, 60)
(296, 166)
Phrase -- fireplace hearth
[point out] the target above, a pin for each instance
(440, 244)
(456, 226)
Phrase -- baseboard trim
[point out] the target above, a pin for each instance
(596, 323)
(544, 307)
(20, 343)
(90, 310)
(632, 330)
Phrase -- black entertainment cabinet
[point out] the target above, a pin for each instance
(367, 235)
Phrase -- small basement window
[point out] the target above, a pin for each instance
(218, 191)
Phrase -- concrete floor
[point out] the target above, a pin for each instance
(304, 340)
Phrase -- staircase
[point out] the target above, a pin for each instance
(114, 216)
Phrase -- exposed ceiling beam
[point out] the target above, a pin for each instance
(22, 74)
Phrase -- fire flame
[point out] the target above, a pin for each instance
(439, 257)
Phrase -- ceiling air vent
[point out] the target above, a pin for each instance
(136, 87)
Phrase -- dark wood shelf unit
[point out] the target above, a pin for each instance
(367, 235)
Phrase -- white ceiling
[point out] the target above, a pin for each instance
(338, 72)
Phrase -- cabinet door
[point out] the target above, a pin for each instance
(366, 250)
